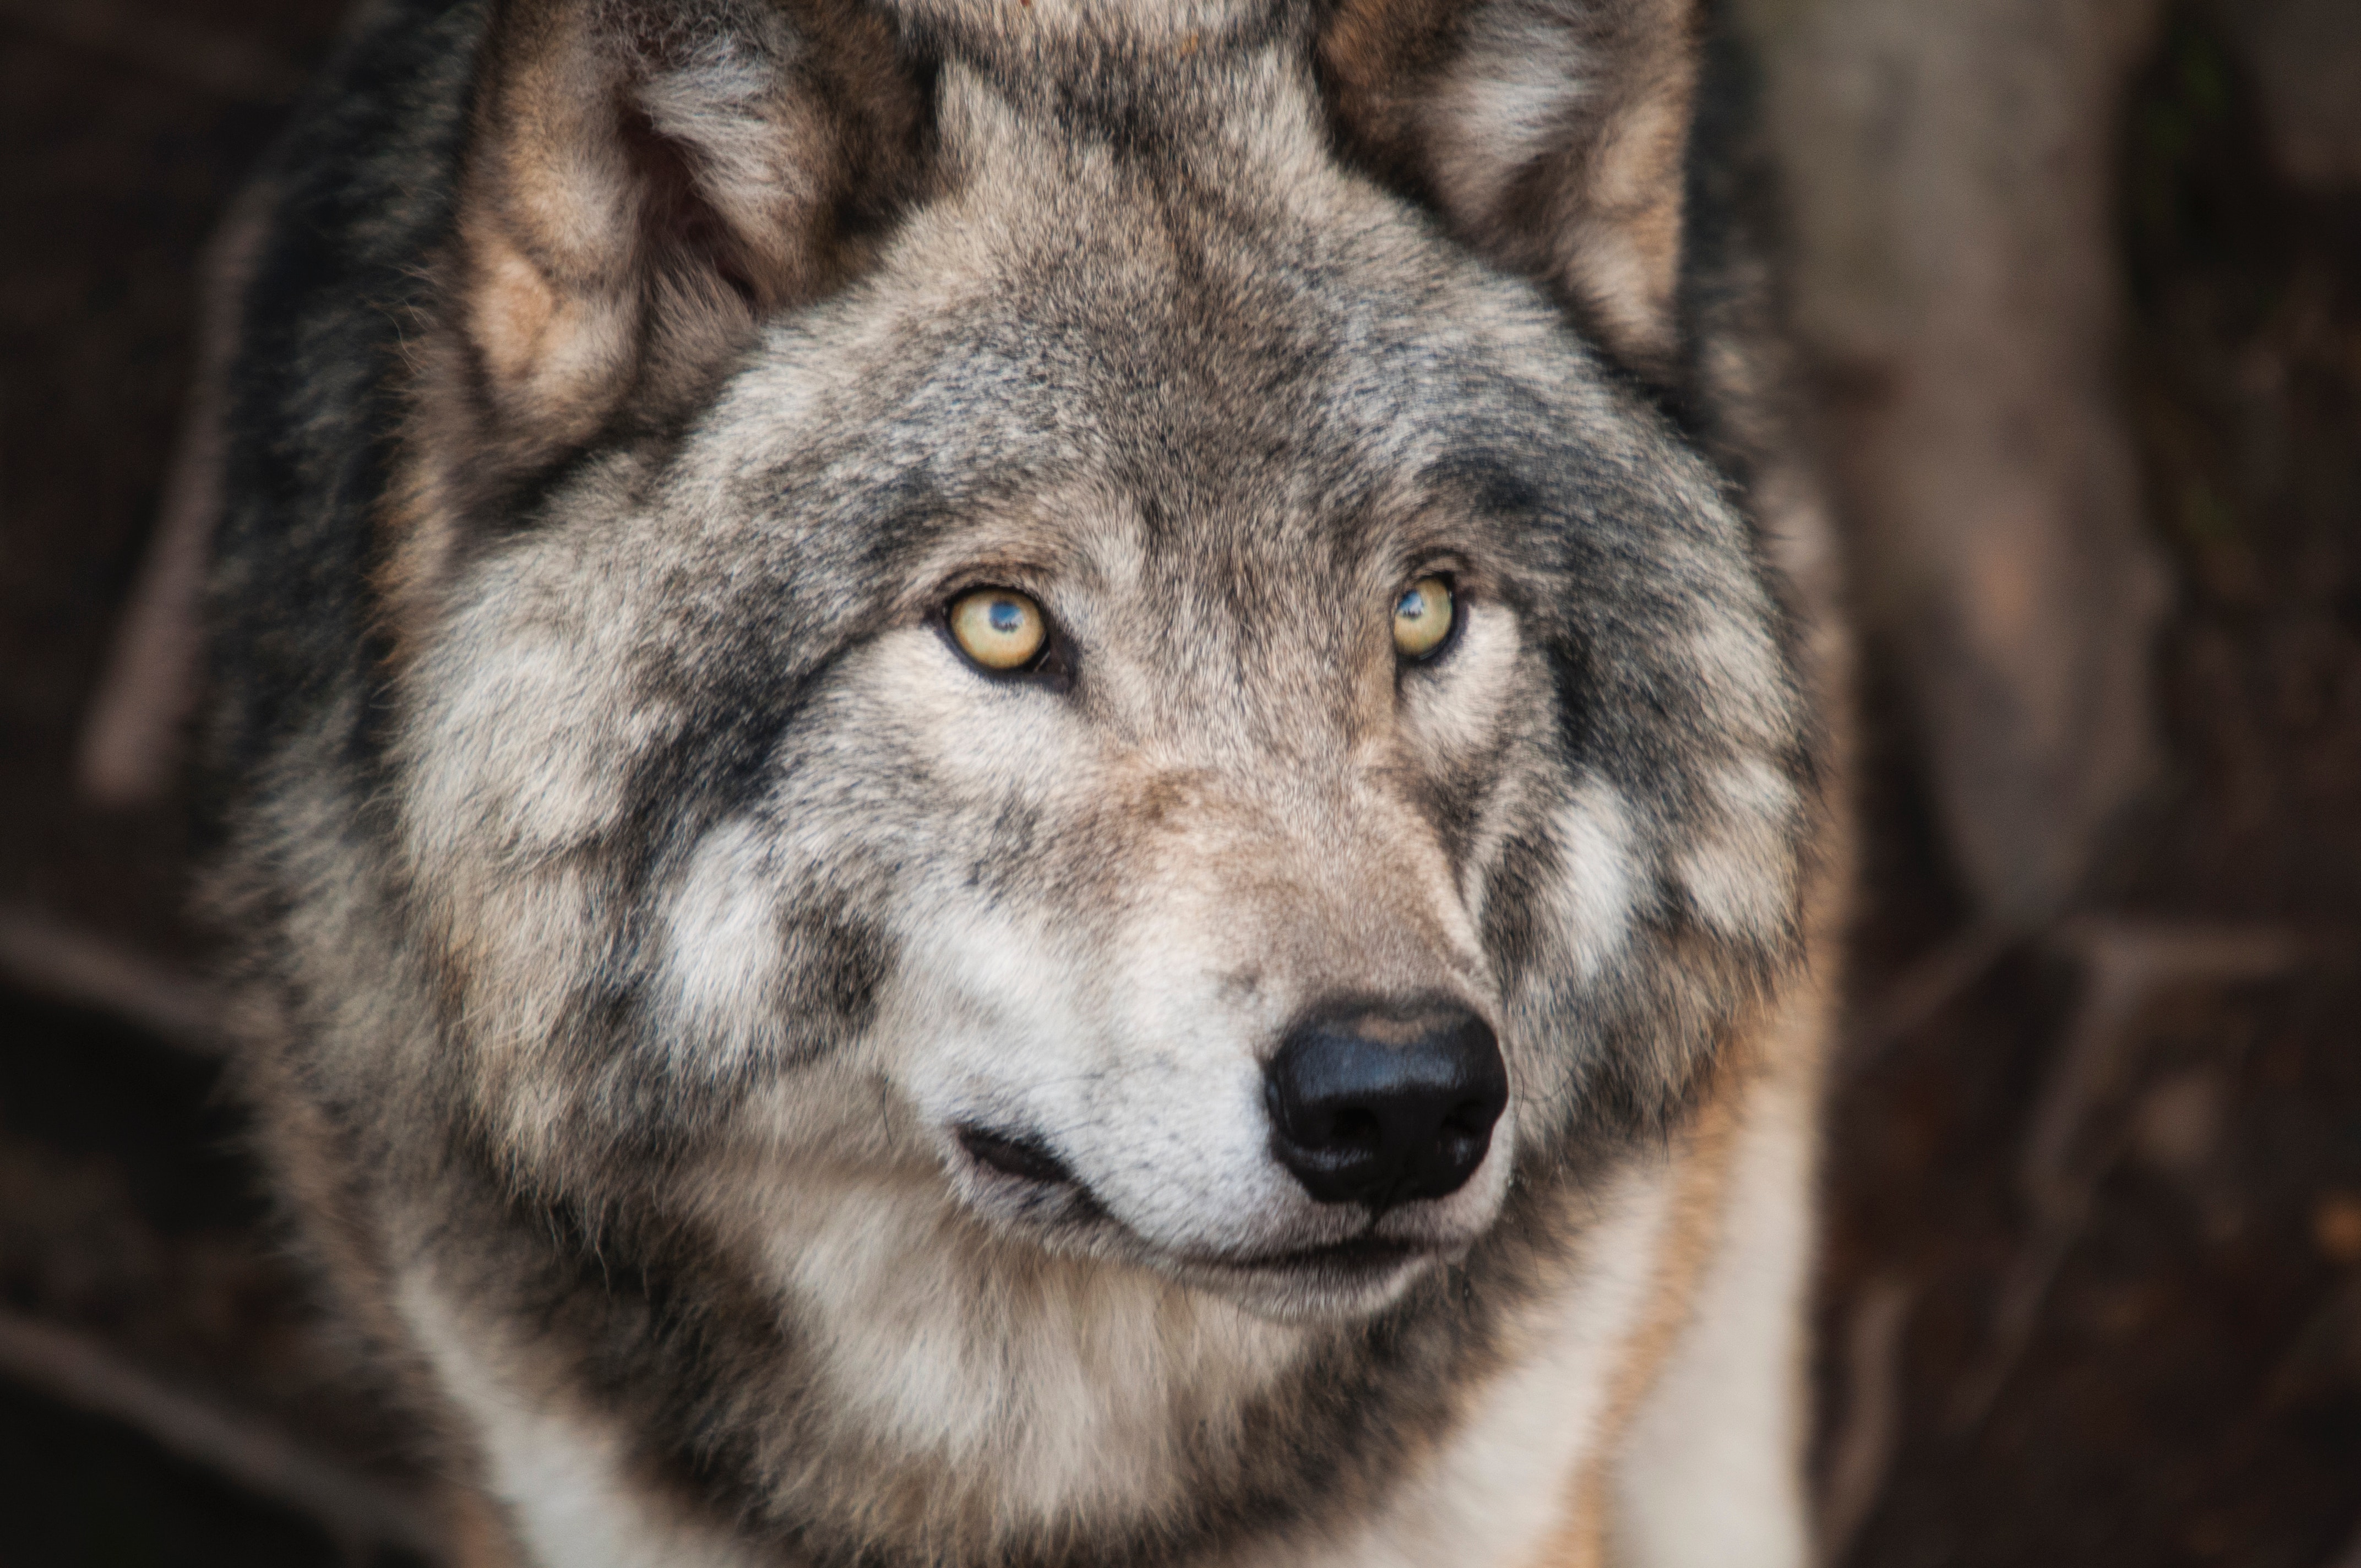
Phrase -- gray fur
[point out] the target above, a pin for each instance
(638, 890)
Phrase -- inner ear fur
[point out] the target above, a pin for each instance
(645, 179)
(1552, 135)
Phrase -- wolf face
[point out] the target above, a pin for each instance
(1043, 635)
(710, 798)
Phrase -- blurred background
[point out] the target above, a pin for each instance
(2077, 285)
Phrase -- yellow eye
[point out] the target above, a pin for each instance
(998, 628)
(1423, 617)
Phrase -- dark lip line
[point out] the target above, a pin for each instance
(1365, 1252)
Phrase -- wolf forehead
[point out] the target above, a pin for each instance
(1278, 456)
(1262, 391)
(1138, 266)
(1259, 495)
(1259, 379)
(1235, 369)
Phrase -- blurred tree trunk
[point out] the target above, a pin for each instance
(1950, 167)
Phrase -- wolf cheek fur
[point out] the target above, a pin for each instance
(783, 1090)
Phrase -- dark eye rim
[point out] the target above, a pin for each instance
(1449, 578)
(1051, 665)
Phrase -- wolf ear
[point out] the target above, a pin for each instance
(1551, 135)
(646, 178)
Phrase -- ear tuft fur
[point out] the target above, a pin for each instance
(1551, 135)
(646, 178)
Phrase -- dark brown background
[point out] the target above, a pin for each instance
(2092, 1288)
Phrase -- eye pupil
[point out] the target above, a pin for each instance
(1006, 616)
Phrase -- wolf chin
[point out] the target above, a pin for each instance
(1037, 783)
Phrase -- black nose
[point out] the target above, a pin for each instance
(1380, 1106)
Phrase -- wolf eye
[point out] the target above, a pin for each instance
(998, 628)
(1423, 617)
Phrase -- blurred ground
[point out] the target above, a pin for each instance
(2093, 1277)
(2124, 1209)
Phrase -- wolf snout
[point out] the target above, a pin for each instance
(1382, 1106)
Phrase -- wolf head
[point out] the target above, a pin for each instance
(1080, 618)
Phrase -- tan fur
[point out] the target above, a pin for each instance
(477, 1536)
(577, 284)
(1702, 1161)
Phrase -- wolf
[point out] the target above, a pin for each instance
(1037, 783)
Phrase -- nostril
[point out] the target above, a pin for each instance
(1383, 1104)
(1356, 1129)
(1313, 1123)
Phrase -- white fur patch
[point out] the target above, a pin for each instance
(1738, 672)
(495, 762)
(1127, 1063)
(1602, 877)
(520, 753)
(715, 105)
(1741, 876)
(1504, 104)
(721, 949)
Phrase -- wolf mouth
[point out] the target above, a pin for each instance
(1362, 1255)
(1028, 1160)
(1349, 1274)
(1015, 1153)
